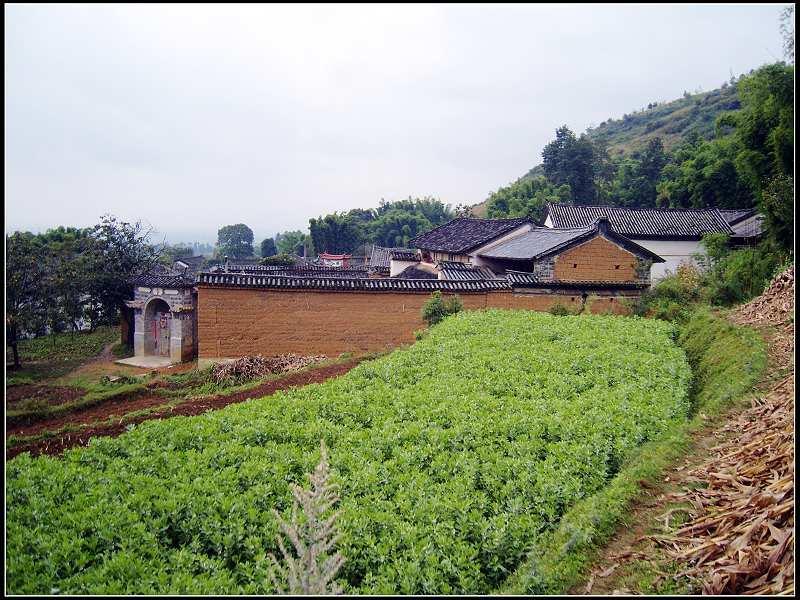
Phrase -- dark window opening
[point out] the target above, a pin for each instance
(574, 265)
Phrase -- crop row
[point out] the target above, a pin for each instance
(452, 456)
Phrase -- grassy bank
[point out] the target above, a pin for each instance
(727, 361)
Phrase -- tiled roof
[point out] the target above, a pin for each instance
(461, 235)
(191, 260)
(454, 270)
(164, 280)
(543, 241)
(736, 217)
(748, 229)
(520, 279)
(643, 223)
(403, 254)
(379, 260)
(535, 242)
(305, 270)
(345, 285)
(414, 272)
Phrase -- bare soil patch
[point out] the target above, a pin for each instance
(50, 394)
(120, 407)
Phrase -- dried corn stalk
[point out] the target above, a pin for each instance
(740, 539)
(248, 368)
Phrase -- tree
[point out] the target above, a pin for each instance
(268, 247)
(526, 197)
(777, 205)
(290, 242)
(570, 160)
(115, 254)
(336, 233)
(235, 241)
(24, 287)
(635, 182)
(396, 227)
(787, 32)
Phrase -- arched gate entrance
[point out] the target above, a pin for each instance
(157, 328)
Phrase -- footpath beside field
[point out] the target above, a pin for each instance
(116, 416)
(722, 521)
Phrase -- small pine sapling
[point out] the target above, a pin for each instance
(311, 568)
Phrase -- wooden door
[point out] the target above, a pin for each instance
(162, 323)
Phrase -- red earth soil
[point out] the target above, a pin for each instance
(51, 394)
(59, 443)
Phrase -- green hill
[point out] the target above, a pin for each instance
(671, 121)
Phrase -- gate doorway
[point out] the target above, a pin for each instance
(157, 327)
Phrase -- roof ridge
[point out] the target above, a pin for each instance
(659, 209)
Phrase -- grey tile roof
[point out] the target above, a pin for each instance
(643, 223)
(453, 270)
(164, 280)
(379, 260)
(536, 242)
(403, 254)
(734, 215)
(522, 279)
(748, 229)
(248, 280)
(461, 235)
(542, 241)
(303, 270)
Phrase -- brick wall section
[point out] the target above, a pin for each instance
(236, 322)
(597, 259)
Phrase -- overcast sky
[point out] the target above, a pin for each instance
(193, 117)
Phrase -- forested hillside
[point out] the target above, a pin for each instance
(730, 148)
(672, 122)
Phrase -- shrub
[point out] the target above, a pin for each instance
(560, 309)
(436, 309)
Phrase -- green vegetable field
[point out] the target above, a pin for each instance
(452, 455)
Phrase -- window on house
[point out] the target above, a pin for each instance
(574, 265)
(616, 267)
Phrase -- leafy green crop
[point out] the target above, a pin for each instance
(452, 455)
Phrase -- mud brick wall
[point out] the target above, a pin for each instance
(598, 259)
(236, 322)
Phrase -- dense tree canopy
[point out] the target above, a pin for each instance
(235, 241)
(268, 247)
(391, 224)
(749, 161)
(570, 160)
(290, 242)
(56, 279)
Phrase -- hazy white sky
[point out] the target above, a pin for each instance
(190, 117)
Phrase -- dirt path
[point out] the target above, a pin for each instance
(121, 407)
(732, 488)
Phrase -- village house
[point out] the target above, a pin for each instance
(510, 264)
(671, 233)
(331, 307)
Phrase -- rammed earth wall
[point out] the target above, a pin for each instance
(245, 321)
